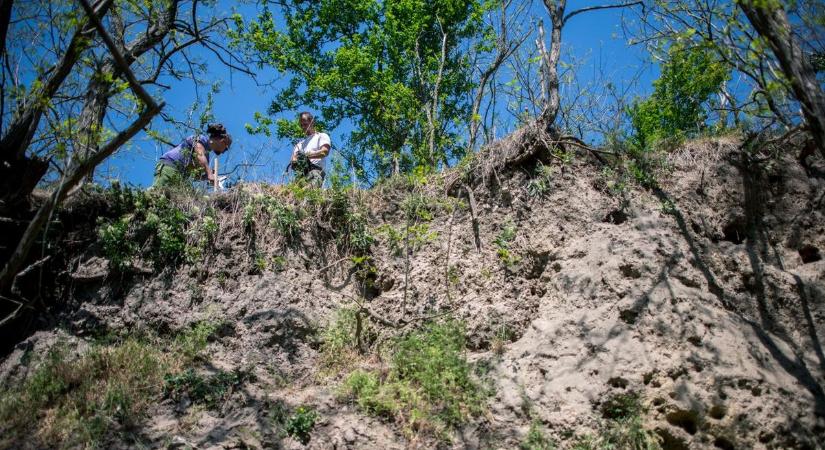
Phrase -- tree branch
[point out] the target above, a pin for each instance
(118, 57)
(595, 8)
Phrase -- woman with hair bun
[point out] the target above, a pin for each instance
(191, 156)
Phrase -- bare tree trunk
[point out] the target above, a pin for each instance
(772, 24)
(550, 63)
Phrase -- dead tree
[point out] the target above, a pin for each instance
(550, 58)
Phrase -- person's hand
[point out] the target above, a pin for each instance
(210, 177)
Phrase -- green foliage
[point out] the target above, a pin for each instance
(344, 338)
(282, 217)
(540, 185)
(301, 423)
(412, 237)
(624, 429)
(208, 390)
(191, 342)
(374, 63)
(503, 241)
(118, 248)
(71, 402)
(149, 225)
(536, 440)
(689, 77)
(429, 384)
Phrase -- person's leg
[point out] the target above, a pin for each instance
(315, 177)
(166, 175)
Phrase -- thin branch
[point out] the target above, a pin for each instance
(118, 57)
(594, 8)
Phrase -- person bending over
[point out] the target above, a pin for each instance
(191, 157)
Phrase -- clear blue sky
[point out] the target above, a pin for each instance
(595, 37)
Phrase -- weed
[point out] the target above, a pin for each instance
(192, 342)
(301, 423)
(540, 185)
(114, 238)
(282, 218)
(624, 428)
(344, 338)
(72, 402)
(205, 390)
(249, 211)
(535, 439)
(412, 237)
(453, 276)
(222, 277)
(278, 263)
(428, 387)
(502, 242)
(152, 219)
(259, 263)
(503, 335)
(621, 406)
(668, 207)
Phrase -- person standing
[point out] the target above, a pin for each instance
(191, 156)
(308, 154)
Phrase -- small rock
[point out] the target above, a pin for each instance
(349, 436)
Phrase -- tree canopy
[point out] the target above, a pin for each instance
(397, 69)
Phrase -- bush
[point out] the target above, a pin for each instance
(207, 390)
(341, 341)
(429, 384)
(301, 423)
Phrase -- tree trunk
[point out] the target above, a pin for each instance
(550, 63)
(772, 24)
(5, 19)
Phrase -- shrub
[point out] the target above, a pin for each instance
(429, 384)
(344, 338)
(208, 390)
(301, 423)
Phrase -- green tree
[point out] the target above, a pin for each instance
(396, 69)
(689, 77)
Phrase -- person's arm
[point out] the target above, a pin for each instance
(200, 153)
(323, 147)
(294, 153)
(320, 153)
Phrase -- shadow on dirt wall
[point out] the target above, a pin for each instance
(759, 250)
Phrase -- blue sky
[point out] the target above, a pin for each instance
(594, 37)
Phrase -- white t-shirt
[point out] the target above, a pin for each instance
(312, 144)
